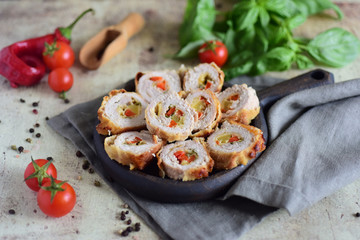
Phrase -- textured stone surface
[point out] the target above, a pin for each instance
(95, 215)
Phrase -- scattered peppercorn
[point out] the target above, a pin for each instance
(97, 183)
(35, 111)
(35, 104)
(38, 135)
(127, 212)
(122, 217)
(137, 226)
(13, 147)
(20, 149)
(35, 211)
(28, 140)
(31, 130)
(37, 125)
(151, 49)
(124, 233)
(79, 154)
(91, 170)
(66, 100)
(86, 165)
(49, 158)
(22, 100)
(12, 211)
(357, 214)
(46, 118)
(128, 222)
(129, 229)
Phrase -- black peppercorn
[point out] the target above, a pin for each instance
(31, 130)
(35, 104)
(20, 149)
(122, 217)
(12, 211)
(46, 118)
(38, 135)
(124, 233)
(37, 125)
(66, 101)
(79, 154)
(22, 100)
(357, 214)
(128, 222)
(129, 229)
(91, 170)
(86, 165)
(49, 158)
(137, 226)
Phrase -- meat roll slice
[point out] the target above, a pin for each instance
(152, 84)
(239, 103)
(185, 160)
(208, 109)
(170, 117)
(133, 149)
(121, 111)
(234, 144)
(204, 76)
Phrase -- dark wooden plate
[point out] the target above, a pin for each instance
(149, 185)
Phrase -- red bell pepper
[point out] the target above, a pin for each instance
(21, 63)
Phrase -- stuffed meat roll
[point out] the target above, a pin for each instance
(239, 103)
(121, 111)
(204, 76)
(208, 109)
(170, 117)
(185, 160)
(152, 84)
(133, 149)
(234, 144)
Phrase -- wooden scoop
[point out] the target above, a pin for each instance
(110, 41)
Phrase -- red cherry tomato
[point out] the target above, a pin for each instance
(62, 202)
(58, 55)
(39, 170)
(60, 80)
(213, 51)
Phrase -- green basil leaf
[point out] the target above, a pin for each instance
(335, 47)
(264, 17)
(303, 62)
(278, 59)
(237, 71)
(280, 7)
(199, 18)
(296, 21)
(189, 50)
(244, 15)
(310, 7)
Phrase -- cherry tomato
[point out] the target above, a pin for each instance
(60, 80)
(56, 198)
(213, 51)
(58, 55)
(39, 170)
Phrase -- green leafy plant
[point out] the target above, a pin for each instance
(259, 35)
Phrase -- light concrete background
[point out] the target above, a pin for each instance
(95, 215)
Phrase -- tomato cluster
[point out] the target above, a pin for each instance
(55, 198)
(59, 57)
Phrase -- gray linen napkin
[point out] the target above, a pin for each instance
(313, 151)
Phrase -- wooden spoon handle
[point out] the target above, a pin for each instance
(131, 25)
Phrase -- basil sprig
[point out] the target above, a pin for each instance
(259, 35)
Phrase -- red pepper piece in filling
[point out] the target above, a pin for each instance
(21, 63)
(234, 97)
(156, 78)
(129, 113)
(161, 84)
(208, 85)
(172, 123)
(170, 112)
(233, 139)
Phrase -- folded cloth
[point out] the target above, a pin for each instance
(312, 152)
